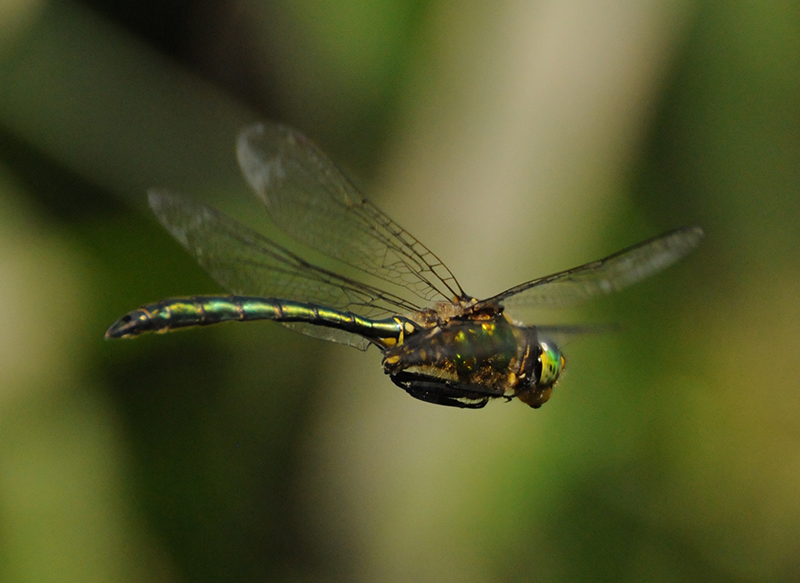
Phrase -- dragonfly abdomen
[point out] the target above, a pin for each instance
(176, 313)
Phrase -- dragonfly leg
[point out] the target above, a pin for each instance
(433, 389)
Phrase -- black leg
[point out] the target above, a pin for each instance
(441, 391)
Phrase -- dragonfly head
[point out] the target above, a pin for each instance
(549, 366)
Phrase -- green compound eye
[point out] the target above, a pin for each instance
(553, 363)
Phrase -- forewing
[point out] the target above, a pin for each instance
(247, 263)
(309, 198)
(563, 334)
(609, 275)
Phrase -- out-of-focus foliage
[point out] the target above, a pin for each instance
(515, 139)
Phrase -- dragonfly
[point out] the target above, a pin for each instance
(439, 344)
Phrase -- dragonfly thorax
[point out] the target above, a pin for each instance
(459, 307)
(472, 360)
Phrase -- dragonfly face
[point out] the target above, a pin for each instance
(439, 344)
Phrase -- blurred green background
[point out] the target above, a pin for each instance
(515, 139)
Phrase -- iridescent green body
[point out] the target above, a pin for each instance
(174, 313)
(460, 352)
(479, 359)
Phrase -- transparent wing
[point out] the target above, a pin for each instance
(247, 263)
(605, 276)
(563, 334)
(330, 334)
(309, 198)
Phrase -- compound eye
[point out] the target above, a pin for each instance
(552, 362)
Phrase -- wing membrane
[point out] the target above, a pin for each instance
(309, 198)
(609, 275)
(562, 334)
(247, 263)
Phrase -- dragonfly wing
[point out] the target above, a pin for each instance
(330, 334)
(309, 198)
(616, 272)
(563, 334)
(247, 263)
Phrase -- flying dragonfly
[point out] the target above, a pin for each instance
(439, 344)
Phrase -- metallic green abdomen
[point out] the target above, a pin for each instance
(172, 314)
